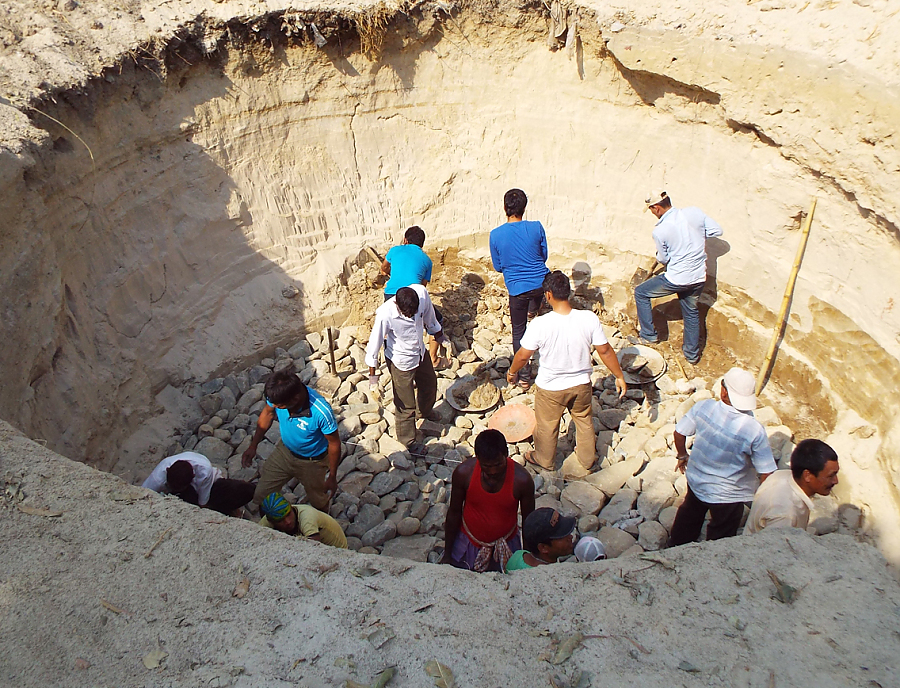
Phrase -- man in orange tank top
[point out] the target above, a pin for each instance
(482, 527)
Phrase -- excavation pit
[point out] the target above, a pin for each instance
(186, 194)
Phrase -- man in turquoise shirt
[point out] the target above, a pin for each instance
(407, 263)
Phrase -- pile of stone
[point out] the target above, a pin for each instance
(394, 503)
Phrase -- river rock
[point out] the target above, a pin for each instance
(656, 497)
(652, 535)
(356, 483)
(214, 449)
(350, 427)
(369, 516)
(620, 504)
(413, 547)
(434, 519)
(380, 534)
(408, 526)
(373, 463)
(611, 479)
(585, 497)
(387, 482)
(419, 508)
(615, 541)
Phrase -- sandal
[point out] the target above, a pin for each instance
(529, 459)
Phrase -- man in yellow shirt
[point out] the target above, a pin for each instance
(785, 499)
(301, 520)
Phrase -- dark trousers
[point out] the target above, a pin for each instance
(225, 495)
(411, 388)
(520, 306)
(725, 519)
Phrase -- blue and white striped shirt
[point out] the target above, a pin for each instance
(730, 448)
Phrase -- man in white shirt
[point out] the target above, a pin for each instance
(680, 236)
(398, 327)
(785, 499)
(565, 338)
(729, 459)
(194, 479)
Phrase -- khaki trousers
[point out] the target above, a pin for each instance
(282, 465)
(548, 410)
(412, 387)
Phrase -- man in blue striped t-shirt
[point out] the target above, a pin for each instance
(309, 449)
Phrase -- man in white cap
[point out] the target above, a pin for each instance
(729, 459)
(680, 236)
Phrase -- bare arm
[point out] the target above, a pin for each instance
(266, 417)
(523, 490)
(681, 451)
(611, 361)
(459, 484)
(385, 268)
(334, 459)
(519, 360)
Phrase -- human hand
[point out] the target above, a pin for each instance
(248, 456)
(511, 377)
(331, 484)
(682, 464)
(621, 386)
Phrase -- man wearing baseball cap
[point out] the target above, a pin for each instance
(680, 236)
(547, 536)
(729, 459)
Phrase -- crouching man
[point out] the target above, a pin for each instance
(482, 527)
(548, 535)
(785, 499)
(301, 520)
(194, 479)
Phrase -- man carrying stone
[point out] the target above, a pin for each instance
(301, 520)
(547, 535)
(730, 449)
(519, 251)
(309, 448)
(398, 327)
(194, 479)
(565, 337)
(680, 236)
(785, 499)
(408, 264)
(482, 527)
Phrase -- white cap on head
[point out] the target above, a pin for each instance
(589, 549)
(741, 389)
(655, 196)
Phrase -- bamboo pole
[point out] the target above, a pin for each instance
(331, 351)
(788, 295)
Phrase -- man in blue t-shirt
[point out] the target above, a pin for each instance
(519, 251)
(309, 448)
(408, 264)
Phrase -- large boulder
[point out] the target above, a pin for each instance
(214, 449)
(621, 503)
(633, 441)
(584, 497)
(434, 519)
(615, 541)
(387, 482)
(369, 516)
(413, 547)
(356, 483)
(610, 418)
(652, 535)
(611, 479)
(656, 497)
(380, 534)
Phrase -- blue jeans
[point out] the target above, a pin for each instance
(688, 297)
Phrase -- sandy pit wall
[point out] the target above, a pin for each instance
(232, 158)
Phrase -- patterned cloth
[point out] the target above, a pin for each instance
(498, 550)
(275, 507)
(730, 448)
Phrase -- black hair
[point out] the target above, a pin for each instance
(407, 301)
(415, 235)
(811, 455)
(179, 475)
(514, 202)
(490, 445)
(557, 284)
(284, 387)
(665, 201)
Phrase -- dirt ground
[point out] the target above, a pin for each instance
(106, 584)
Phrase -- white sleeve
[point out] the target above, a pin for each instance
(711, 227)
(376, 340)
(429, 319)
(598, 336)
(687, 426)
(156, 481)
(533, 336)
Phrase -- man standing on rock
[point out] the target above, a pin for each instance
(482, 527)
(194, 479)
(519, 251)
(564, 337)
(408, 264)
(680, 236)
(785, 499)
(730, 449)
(309, 448)
(301, 520)
(398, 328)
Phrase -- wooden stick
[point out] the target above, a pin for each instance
(781, 322)
(156, 544)
(331, 351)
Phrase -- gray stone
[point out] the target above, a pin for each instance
(273, 434)
(635, 549)
(369, 497)
(354, 543)
(442, 472)
(373, 463)
(210, 403)
(387, 445)
(237, 437)
(549, 501)
(349, 427)
(356, 483)
(611, 479)
(369, 418)
(212, 386)
(667, 517)
(588, 524)
(259, 374)
(227, 397)
(656, 497)
(387, 503)
(585, 497)
(652, 535)
(345, 467)
(443, 412)
(369, 516)
(633, 441)
(408, 491)
(620, 504)
(380, 534)
(615, 541)
(419, 508)
(387, 482)
(434, 519)
(214, 449)
(401, 461)
(413, 547)
(250, 397)
(222, 434)
(572, 468)
(408, 526)
(301, 349)
(611, 418)
(205, 430)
